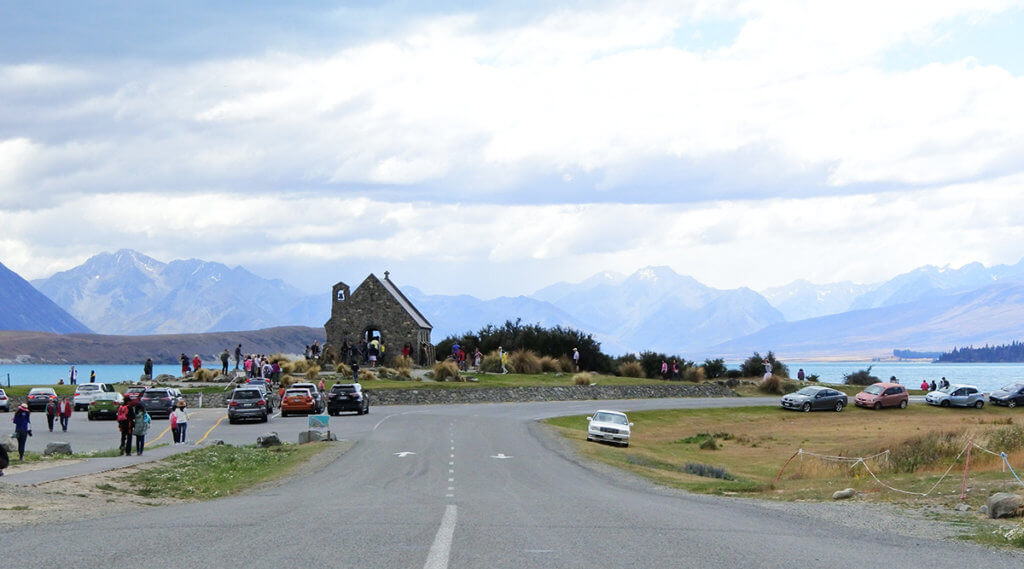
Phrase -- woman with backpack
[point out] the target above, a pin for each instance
(125, 416)
(141, 427)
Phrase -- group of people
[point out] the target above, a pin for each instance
(58, 410)
(23, 423)
(189, 366)
(260, 366)
(668, 370)
(365, 352)
(932, 386)
(461, 358)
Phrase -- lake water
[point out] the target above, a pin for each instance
(987, 377)
(47, 374)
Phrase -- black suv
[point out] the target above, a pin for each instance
(158, 401)
(347, 397)
(248, 403)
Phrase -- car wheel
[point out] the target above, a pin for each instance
(945, 403)
(589, 439)
(625, 444)
(284, 414)
(839, 406)
(877, 406)
(266, 417)
(1011, 403)
(806, 408)
(91, 418)
(903, 404)
(231, 421)
(979, 404)
(367, 409)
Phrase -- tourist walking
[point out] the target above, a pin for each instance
(576, 358)
(64, 410)
(73, 375)
(125, 420)
(51, 413)
(174, 427)
(180, 418)
(141, 427)
(22, 428)
(238, 356)
(478, 358)
(224, 357)
(502, 358)
(147, 368)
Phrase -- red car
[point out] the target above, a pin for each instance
(880, 395)
(134, 393)
(297, 401)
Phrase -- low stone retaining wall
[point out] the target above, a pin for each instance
(443, 396)
(558, 393)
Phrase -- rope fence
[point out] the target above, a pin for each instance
(854, 462)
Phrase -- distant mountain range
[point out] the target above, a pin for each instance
(25, 308)
(929, 308)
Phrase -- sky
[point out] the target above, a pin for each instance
(496, 148)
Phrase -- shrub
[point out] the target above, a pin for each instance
(565, 362)
(583, 378)
(928, 450)
(312, 371)
(524, 361)
(754, 366)
(329, 355)
(550, 364)
(714, 369)
(707, 471)
(343, 370)
(367, 375)
(402, 362)
(631, 369)
(709, 443)
(734, 374)
(861, 377)
(694, 374)
(446, 371)
(288, 380)
(772, 385)
(813, 377)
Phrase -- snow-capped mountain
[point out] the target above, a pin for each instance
(130, 293)
(802, 299)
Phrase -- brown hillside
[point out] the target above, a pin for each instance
(43, 347)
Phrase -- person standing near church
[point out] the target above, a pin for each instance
(238, 356)
(224, 356)
(73, 375)
(576, 358)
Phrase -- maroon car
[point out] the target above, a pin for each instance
(134, 393)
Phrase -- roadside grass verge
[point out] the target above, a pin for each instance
(33, 456)
(508, 380)
(751, 445)
(216, 471)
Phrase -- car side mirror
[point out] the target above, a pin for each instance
(590, 418)
(631, 424)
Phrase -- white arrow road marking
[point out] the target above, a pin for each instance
(501, 456)
(404, 453)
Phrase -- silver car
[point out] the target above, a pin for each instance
(956, 395)
(815, 398)
(610, 426)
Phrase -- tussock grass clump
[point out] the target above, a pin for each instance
(403, 362)
(368, 375)
(709, 443)
(771, 385)
(491, 363)
(1006, 439)
(584, 378)
(205, 374)
(288, 380)
(694, 374)
(931, 450)
(631, 369)
(343, 370)
(549, 364)
(312, 371)
(525, 361)
(446, 371)
(566, 363)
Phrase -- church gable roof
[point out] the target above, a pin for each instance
(402, 301)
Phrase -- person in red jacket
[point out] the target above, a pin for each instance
(65, 413)
(196, 363)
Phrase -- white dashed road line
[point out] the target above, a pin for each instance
(441, 550)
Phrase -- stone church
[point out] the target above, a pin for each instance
(378, 309)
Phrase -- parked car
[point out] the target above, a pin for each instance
(815, 398)
(610, 426)
(39, 397)
(956, 395)
(878, 395)
(85, 392)
(317, 395)
(347, 397)
(134, 393)
(1010, 395)
(104, 404)
(298, 400)
(5, 403)
(248, 403)
(264, 386)
(159, 401)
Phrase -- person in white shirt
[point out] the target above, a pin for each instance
(181, 418)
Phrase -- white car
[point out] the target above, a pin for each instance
(85, 393)
(611, 426)
(5, 403)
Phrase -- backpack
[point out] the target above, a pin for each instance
(122, 413)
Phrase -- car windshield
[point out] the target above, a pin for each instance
(41, 391)
(873, 390)
(106, 397)
(246, 394)
(154, 394)
(1012, 388)
(343, 388)
(297, 392)
(808, 391)
(88, 387)
(610, 418)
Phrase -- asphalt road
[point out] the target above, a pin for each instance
(471, 486)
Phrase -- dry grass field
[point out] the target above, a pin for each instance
(742, 450)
